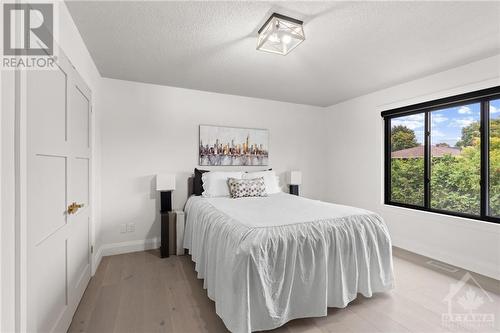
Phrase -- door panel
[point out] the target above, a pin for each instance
(50, 290)
(80, 181)
(80, 117)
(47, 199)
(78, 254)
(47, 91)
(79, 265)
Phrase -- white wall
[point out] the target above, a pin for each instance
(356, 163)
(148, 129)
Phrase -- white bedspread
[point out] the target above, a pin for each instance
(269, 260)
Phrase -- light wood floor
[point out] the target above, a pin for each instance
(139, 292)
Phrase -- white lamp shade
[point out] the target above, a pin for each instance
(295, 178)
(165, 182)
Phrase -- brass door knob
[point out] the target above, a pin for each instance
(73, 208)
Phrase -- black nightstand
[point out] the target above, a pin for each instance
(166, 207)
(294, 189)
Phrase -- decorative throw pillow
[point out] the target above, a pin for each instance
(242, 188)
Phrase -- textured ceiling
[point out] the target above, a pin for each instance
(351, 48)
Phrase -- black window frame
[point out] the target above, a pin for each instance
(483, 97)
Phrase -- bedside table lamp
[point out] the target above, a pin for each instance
(294, 180)
(165, 184)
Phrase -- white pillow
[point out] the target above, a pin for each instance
(215, 183)
(270, 179)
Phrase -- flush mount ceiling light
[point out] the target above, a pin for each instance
(280, 34)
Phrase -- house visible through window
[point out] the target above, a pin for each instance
(444, 155)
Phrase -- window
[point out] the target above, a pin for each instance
(455, 159)
(444, 156)
(407, 163)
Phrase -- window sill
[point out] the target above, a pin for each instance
(477, 223)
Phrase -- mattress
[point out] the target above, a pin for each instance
(272, 259)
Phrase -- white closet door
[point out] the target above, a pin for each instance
(58, 175)
(79, 190)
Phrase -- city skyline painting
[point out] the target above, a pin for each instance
(226, 146)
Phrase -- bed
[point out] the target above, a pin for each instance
(268, 260)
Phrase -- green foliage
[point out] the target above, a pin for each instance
(495, 167)
(469, 133)
(442, 144)
(402, 138)
(455, 180)
(407, 181)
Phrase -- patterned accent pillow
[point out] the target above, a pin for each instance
(242, 188)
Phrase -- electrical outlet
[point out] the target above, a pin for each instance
(123, 228)
(131, 227)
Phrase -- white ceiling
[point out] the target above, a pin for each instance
(351, 48)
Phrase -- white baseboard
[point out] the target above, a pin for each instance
(130, 246)
(476, 266)
(96, 261)
(124, 247)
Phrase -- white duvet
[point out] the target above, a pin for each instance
(269, 260)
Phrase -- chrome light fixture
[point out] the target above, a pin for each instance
(280, 34)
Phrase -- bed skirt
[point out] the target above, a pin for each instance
(261, 278)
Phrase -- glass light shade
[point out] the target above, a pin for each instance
(280, 34)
